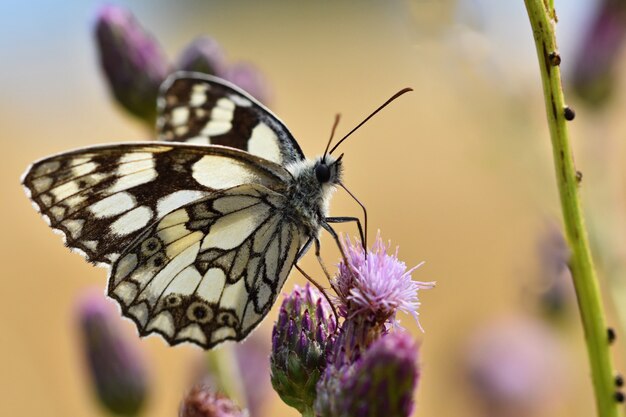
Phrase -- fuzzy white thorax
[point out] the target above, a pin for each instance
(308, 197)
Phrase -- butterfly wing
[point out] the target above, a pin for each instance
(211, 270)
(202, 109)
(101, 198)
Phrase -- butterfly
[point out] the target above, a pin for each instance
(201, 228)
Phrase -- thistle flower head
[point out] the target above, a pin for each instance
(302, 337)
(380, 383)
(202, 401)
(377, 285)
(132, 61)
(115, 366)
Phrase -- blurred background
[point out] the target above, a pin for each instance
(457, 174)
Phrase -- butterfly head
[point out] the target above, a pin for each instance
(328, 170)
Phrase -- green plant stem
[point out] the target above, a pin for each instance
(542, 20)
(223, 365)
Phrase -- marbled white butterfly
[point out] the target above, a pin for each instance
(200, 229)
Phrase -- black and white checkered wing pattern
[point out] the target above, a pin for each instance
(101, 198)
(200, 109)
(211, 270)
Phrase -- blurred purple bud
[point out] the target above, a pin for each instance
(132, 61)
(115, 366)
(380, 383)
(554, 274)
(514, 366)
(252, 367)
(203, 54)
(249, 78)
(252, 357)
(593, 75)
(202, 401)
(300, 356)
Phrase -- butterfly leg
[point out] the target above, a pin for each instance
(335, 236)
(322, 290)
(364, 215)
(304, 249)
(350, 219)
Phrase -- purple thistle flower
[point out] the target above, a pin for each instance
(377, 286)
(203, 54)
(202, 401)
(301, 340)
(115, 366)
(380, 383)
(132, 61)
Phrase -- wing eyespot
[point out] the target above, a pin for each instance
(200, 312)
(159, 260)
(172, 301)
(150, 246)
(227, 318)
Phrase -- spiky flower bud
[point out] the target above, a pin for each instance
(301, 340)
(132, 61)
(202, 401)
(380, 383)
(204, 54)
(115, 366)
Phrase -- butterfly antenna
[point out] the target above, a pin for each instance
(332, 135)
(364, 214)
(395, 96)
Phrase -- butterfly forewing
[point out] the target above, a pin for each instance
(201, 109)
(201, 229)
(210, 270)
(101, 198)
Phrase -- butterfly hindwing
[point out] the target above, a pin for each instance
(198, 108)
(210, 270)
(101, 198)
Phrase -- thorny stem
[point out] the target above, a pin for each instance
(542, 19)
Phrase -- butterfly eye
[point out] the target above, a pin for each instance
(322, 172)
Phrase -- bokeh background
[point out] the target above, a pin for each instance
(458, 174)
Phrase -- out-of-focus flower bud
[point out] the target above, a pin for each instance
(515, 366)
(593, 75)
(132, 61)
(203, 54)
(252, 373)
(202, 401)
(115, 366)
(301, 340)
(555, 279)
(247, 77)
(380, 383)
